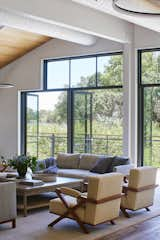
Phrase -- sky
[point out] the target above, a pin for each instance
(47, 100)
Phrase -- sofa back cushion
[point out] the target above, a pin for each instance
(88, 161)
(68, 160)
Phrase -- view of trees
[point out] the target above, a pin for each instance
(106, 113)
(151, 74)
(109, 103)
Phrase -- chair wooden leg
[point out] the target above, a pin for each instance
(14, 223)
(125, 212)
(147, 209)
(112, 222)
(82, 226)
(56, 220)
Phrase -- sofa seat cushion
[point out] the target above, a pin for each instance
(68, 160)
(75, 173)
(87, 161)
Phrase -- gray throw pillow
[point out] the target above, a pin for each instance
(50, 161)
(45, 163)
(51, 169)
(117, 161)
(102, 165)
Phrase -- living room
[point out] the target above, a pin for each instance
(98, 36)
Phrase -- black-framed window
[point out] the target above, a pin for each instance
(84, 71)
(89, 93)
(149, 107)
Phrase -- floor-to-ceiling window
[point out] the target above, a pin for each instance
(79, 110)
(149, 107)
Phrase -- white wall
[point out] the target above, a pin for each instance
(25, 73)
(145, 38)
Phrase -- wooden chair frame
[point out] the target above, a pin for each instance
(140, 189)
(82, 200)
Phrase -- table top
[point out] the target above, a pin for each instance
(60, 181)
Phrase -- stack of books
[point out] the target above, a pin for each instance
(31, 182)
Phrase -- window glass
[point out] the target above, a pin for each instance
(58, 74)
(98, 121)
(46, 123)
(32, 124)
(151, 67)
(109, 70)
(83, 72)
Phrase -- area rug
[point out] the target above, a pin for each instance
(34, 226)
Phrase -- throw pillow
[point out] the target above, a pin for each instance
(51, 169)
(102, 165)
(117, 161)
(50, 161)
(40, 165)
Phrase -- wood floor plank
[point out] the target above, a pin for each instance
(149, 230)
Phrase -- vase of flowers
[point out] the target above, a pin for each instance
(22, 162)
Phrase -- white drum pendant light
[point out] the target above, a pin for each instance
(151, 7)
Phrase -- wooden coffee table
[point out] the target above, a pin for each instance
(25, 191)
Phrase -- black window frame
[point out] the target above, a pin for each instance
(45, 62)
(141, 87)
(70, 91)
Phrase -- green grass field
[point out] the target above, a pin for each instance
(107, 138)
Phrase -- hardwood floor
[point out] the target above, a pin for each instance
(149, 230)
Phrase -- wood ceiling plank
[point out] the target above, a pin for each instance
(15, 43)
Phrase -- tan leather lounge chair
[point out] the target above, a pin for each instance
(99, 205)
(139, 192)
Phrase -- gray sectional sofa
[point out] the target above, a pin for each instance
(84, 165)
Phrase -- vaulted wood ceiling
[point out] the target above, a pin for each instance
(15, 43)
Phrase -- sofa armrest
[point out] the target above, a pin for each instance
(124, 169)
(8, 209)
